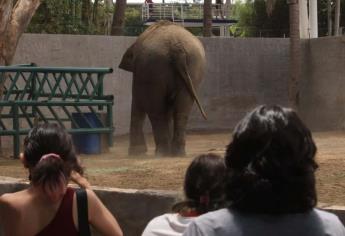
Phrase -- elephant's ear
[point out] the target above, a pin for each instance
(127, 59)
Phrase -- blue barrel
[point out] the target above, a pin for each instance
(87, 143)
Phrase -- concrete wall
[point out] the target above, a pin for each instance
(323, 83)
(241, 73)
(133, 208)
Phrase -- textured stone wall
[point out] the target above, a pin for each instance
(241, 73)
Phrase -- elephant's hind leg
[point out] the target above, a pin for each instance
(178, 141)
(137, 143)
(161, 126)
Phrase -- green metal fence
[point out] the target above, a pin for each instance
(35, 94)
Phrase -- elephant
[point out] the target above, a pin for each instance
(168, 64)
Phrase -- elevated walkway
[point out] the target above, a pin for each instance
(188, 15)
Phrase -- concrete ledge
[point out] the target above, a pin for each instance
(135, 208)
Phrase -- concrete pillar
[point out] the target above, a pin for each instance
(313, 22)
(303, 19)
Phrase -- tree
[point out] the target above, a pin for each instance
(207, 21)
(86, 12)
(13, 22)
(295, 53)
(119, 17)
(337, 17)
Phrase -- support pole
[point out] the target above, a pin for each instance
(313, 21)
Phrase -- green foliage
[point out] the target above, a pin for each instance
(253, 20)
(64, 17)
(133, 22)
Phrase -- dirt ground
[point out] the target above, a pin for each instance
(117, 169)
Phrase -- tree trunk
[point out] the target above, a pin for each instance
(337, 18)
(119, 17)
(85, 13)
(95, 13)
(108, 16)
(329, 17)
(295, 54)
(207, 30)
(13, 22)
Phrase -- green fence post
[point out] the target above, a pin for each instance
(16, 137)
(110, 124)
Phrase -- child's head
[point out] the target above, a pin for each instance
(49, 155)
(204, 183)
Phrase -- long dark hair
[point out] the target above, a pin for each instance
(204, 184)
(50, 156)
(271, 163)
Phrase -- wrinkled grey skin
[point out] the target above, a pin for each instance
(168, 63)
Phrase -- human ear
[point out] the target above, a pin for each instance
(23, 160)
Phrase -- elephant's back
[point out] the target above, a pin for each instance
(162, 37)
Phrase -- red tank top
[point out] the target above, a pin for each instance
(62, 224)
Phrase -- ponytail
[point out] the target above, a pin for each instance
(50, 174)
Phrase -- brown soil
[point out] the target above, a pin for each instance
(117, 169)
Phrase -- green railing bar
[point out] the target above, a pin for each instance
(70, 117)
(55, 115)
(26, 116)
(58, 80)
(59, 103)
(84, 117)
(41, 85)
(16, 138)
(2, 124)
(109, 123)
(13, 83)
(27, 86)
(76, 84)
(97, 115)
(53, 91)
(69, 86)
(42, 117)
(84, 86)
(55, 69)
(48, 82)
(71, 131)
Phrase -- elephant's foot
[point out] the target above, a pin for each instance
(178, 151)
(162, 152)
(137, 150)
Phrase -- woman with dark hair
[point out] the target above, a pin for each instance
(204, 192)
(48, 206)
(271, 181)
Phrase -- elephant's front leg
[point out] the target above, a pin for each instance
(137, 144)
(161, 126)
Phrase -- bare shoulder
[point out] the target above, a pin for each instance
(12, 199)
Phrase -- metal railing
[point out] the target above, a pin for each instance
(53, 94)
(177, 12)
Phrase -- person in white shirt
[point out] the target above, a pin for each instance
(271, 181)
(204, 191)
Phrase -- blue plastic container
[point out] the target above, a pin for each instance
(87, 143)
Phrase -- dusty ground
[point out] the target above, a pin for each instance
(116, 169)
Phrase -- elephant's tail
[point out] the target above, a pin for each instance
(180, 60)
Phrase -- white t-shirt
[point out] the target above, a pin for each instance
(226, 222)
(167, 225)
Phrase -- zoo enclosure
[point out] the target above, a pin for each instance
(35, 94)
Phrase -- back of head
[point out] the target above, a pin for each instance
(271, 163)
(204, 184)
(50, 157)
